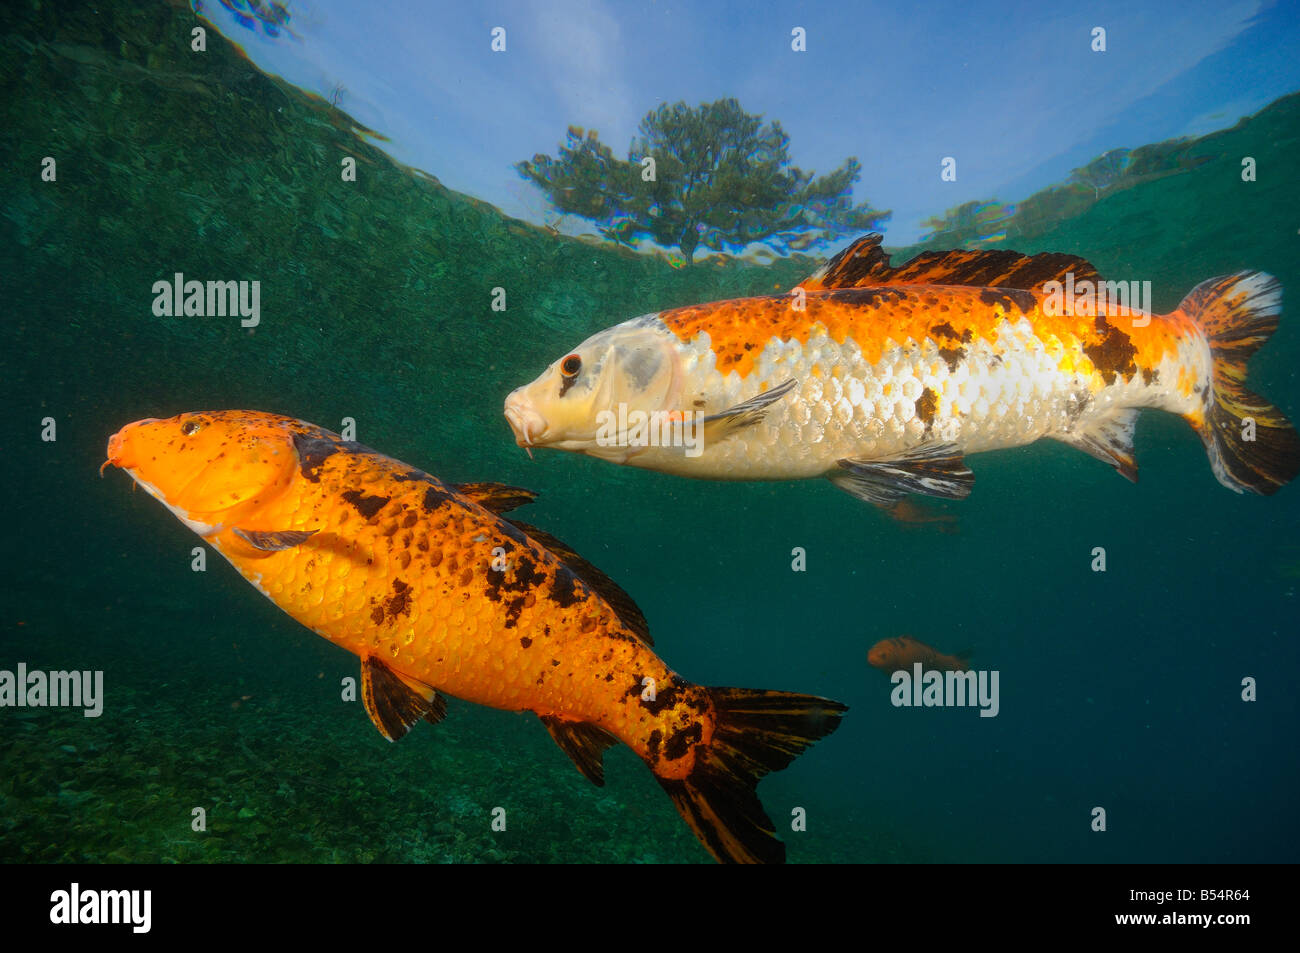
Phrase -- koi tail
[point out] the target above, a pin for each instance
(1251, 445)
(755, 732)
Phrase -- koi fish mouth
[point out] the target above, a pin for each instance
(527, 424)
(117, 446)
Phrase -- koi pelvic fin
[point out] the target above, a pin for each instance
(394, 702)
(933, 469)
(582, 742)
(1111, 441)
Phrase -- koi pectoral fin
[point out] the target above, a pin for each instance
(1110, 441)
(935, 469)
(395, 702)
(723, 424)
(582, 742)
(274, 542)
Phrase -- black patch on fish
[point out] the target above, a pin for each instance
(592, 578)
(656, 736)
(953, 353)
(513, 608)
(563, 591)
(665, 697)
(367, 506)
(1113, 354)
(948, 331)
(679, 743)
(1009, 298)
(952, 356)
(435, 496)
(512, 587)
(525, 641)
(313, 451)
(1149, 375)
(400, 601)
(926, 407)
(408, 474)
(566, 383)
(867, 297)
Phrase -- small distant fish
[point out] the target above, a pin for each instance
(437, 592)
(902, 652)
(882, 378)
(908, 511)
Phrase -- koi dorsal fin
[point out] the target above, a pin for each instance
(496, 497)
(627, 610)
(865, 265)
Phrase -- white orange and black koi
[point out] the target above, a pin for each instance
(883, 378)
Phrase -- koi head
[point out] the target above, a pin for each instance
(202, 466)
(891, 654)
(880, 655)
(634, 366)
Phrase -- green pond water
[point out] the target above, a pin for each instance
(1119, 688)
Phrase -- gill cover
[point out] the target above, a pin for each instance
(634, 365)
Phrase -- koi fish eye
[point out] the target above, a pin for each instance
(570, 366)
(191, 427)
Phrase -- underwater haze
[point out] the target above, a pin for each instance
(1158, 689)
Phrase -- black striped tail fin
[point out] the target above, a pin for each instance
(1251, 444)
(754, 732)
